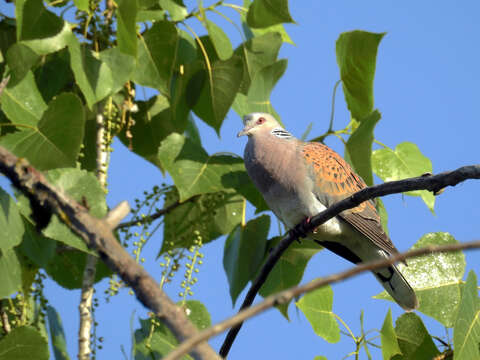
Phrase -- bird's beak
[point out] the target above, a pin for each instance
(245, 131)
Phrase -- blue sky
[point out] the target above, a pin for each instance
(426, 87)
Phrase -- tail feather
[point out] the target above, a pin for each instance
(397, 286)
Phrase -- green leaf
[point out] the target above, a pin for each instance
(466, 334)
(388, 337)
(317, 308)
(39, 29)
(175, 8)
(405, 161)
(11, 271)
(193, 170)
(153, 123)
(55, 141)
(10, 222)
(23, 104)
(359, 147)
(20, 59)
(356, 57)
(156, 56)
(8, 35)
(288, 271)
(197, 313)
(436, 278)
(99, 74)
(55, 74)
(24, 343)
(319, 358)
(265, 13)
(258, 99)
(126, 27)
(83, 187)
(39, 249)
(192, 132)
(82, 5)
(219, 39)
(243, 253)
(218, 93)
(154, 342)
(257, 53)
(57, 335)
(208, 216)
(413, 338)
(67, 267)
(150, 15)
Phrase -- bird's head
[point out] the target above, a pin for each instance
(256, 122)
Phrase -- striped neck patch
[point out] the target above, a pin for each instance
(281, 133)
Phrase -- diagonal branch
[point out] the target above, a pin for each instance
(287, 295)
(97, 234)
(434, 183)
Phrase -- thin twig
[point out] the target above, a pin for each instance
(156, 215)
(286, 296)
(434, 183)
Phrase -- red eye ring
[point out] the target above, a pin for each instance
(261, 120)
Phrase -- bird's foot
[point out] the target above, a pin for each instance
(299, 230)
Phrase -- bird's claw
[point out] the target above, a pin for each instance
(299, 230)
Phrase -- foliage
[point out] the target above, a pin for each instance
(70, 61)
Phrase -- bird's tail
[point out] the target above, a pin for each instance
(397, 286)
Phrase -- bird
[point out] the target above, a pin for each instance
(300, 179)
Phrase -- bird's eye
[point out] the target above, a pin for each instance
(261, 120)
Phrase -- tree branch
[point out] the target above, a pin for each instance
(285, 296)
(97, 234)
(434, 183)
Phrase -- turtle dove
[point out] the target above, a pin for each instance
(300, 179)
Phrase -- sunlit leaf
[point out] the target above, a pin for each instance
(359, 147)
(220, 40)
(388, 337)
(175, 8)
(405, 161)
(55, 141)
(265, 13)
(466, 334)
(156, 56)
(356, 58)
(126, 27)
(22, 103)
(436, 279)
(219, 90)
(317, 308)
(99, 74)
(39, 29)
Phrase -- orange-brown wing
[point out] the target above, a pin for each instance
(335, 180)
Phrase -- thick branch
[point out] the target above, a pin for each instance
(97, 234)
(285, 296)
(434, 183)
